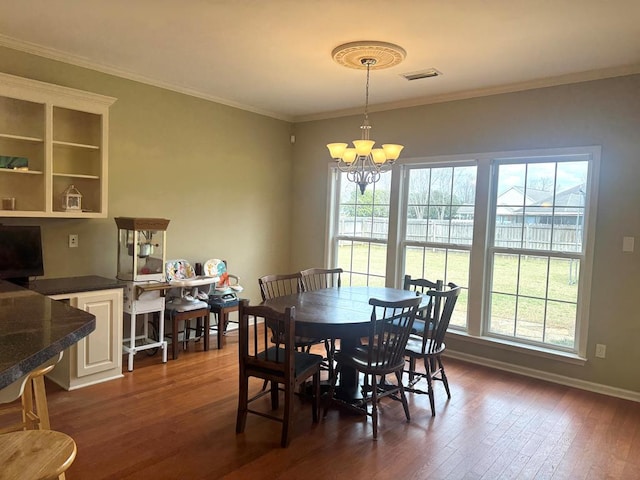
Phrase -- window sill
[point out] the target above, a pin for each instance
(566, 357)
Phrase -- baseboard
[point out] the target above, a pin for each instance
(550, 377)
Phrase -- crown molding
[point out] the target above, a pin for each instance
(84, 62)
(482, 92)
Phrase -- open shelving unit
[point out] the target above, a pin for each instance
(63, 133)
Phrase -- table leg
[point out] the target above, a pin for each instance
(348, 387)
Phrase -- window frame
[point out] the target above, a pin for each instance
(479, 272)
(403, 243)
(334, 236)
(590, 154)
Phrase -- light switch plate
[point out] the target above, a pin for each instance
(627, 244)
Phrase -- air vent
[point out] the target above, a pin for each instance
(429, 73)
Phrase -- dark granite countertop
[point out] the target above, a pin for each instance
(59, 286)
(34, 328)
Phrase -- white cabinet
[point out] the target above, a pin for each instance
(97, 357)
(63, 135)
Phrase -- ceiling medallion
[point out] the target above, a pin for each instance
(352, 54)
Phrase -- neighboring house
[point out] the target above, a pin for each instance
(537, 210)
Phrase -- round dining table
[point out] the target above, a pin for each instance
(343, 313)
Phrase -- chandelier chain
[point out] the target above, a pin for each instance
(366, 127)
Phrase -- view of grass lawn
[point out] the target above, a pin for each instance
(522, 303)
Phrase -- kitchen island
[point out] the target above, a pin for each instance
(34, 328)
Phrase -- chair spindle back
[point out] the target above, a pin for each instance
(389, 331)
(279, 285)
(318, 278)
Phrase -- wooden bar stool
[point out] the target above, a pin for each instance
(31, 391)
(35, 455)
(177, 316)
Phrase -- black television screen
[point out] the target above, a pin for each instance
(20, 253)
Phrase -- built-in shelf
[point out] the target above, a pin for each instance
(63, 134)
(76, 145)
(21, 172)
(22, 138)
(76, 175)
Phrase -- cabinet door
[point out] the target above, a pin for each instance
(102, 349)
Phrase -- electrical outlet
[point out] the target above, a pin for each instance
(601, 350)
(73, 241)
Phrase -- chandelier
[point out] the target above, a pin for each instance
(362, 163)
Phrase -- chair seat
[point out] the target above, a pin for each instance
(414, 347)
(422, 328)
(215, 303)
(185, 306)
(303, 361)
(358, 359)
(301, 341)
(35, 454)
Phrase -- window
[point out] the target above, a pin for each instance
(514, 230)
(438, 227)
(362, 231)
(537, 249)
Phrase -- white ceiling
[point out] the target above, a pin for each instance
(274, 56)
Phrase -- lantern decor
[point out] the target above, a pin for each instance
(71, 199)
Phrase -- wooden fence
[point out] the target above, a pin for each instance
(566, 238)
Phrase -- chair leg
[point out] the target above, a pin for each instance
(330, 347)
(220, 329)
(403, 397)
(174, 337)
(274, 395)
(186, 335)
(374, 406)
(27, 407)
(332, 390)
(207, 331)
(243, 398)
(316, 396)
(412, 369)
(443, 377)
(287, 420)
(42, 409)
(429, 378)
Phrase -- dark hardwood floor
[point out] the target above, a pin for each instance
(177, 421)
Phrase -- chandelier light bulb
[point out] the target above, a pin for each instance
(349, 155)
(363, 147)
(378, 156)
(392, 151)
(336, 150)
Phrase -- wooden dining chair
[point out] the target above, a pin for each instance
(430, 348)
(422, 325)
(279, 285)
(383, 354)
(316, 279)
(278, 363)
